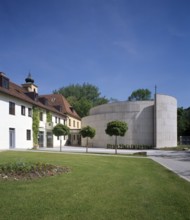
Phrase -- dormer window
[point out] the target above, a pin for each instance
(4, 81)
(72, 109)
(58, 107)
(43, 100)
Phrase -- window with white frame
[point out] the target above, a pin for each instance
(11, 108)
(28, 135)
(29, 112)
(41, 116)
(23, 110)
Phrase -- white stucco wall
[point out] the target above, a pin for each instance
(138, 115)
(19, 122)
(166, 121)
(46, 128)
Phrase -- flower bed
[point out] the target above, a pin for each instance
(21, 170)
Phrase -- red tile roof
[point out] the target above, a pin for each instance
(19, 92)
(55, 100)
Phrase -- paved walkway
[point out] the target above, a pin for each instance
(176, 161)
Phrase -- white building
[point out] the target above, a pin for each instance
(73, 121)
(17, 106)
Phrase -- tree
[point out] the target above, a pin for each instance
(183, 122)
(82, 97)
(116, 128)
(140, 95)
(60, 130)
(81, 106)
(87, 132)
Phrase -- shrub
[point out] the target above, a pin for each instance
(132, 146)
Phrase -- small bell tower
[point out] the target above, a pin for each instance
(29, 85)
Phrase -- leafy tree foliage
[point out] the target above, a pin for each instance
(140, 95)
(82, 97)
(87, 132)
(183, 121)
(81, 106)
(60, 130)
(35, 125)
(116, 128)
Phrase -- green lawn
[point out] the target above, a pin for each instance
(98, 187)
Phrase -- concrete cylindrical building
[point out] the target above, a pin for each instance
(165, 121)
(148, 122)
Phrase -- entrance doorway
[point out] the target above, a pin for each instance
(11, 138)
(49, 139)
(41, 139)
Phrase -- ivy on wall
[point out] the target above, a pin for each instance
(49, 117)
(35, 125)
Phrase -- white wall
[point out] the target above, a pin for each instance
(23, 122)
(73, 123)
(20, 122)
(45, 128)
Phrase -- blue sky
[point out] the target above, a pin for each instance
(117, 45)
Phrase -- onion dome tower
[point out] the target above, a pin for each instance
(29, 79)
(29, 85)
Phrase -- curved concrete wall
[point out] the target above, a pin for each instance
(138, 115)
(149, 122)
